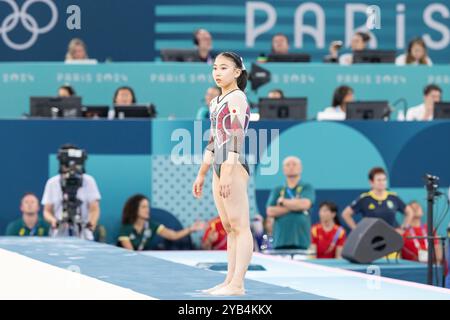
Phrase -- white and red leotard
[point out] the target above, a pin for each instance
(230, 117)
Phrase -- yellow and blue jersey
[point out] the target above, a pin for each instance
(18, 228)
(386, 207)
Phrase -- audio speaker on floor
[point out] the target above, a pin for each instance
(371, 239)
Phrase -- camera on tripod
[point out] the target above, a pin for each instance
(71, 169)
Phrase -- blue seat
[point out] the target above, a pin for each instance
(167, 219)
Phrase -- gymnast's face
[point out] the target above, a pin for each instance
(144, 210)
(225, 72)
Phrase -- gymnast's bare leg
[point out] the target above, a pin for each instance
(230, 114)
(231, 236)
(237, 212)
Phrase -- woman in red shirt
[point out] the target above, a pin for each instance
(328, 236)
(417, 249)
(215, 237)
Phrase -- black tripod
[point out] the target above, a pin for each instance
(432, 193)
(430, 273)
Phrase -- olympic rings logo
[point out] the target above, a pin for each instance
(29, 23)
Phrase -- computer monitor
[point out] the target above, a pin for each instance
(289, 57)
(134, 111)
(180, 55)
(367, 110)
(95, 111)
(374, 56)
(283, 109)
(441, 110)
(55, 107)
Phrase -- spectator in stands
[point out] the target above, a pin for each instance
(215, 236)
(66, 91)
(425, 111)
(327, 236)
(341, 96)
(333, 56)
(378, 203)
(416, 54)
(138, 229)
(280, 44)
(289, 205)
(30, 224)
(76, 50)
(203, 42)
(417, 249)
(276, 94)
(359, 42)
(88, 194)
(203, 112)
(124, 96)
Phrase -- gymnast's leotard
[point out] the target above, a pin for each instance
(230, 116)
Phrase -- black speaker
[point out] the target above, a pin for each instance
(371, 239)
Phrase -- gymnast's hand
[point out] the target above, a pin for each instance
(197, 187)
(225, 185)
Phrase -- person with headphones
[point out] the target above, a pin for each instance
(203, 41)
(341, 96)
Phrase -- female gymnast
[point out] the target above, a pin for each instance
(230, 114)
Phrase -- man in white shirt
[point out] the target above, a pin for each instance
(88, 194)
(425, 111)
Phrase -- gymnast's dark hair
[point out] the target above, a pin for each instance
(131, 208)
(242, 80)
